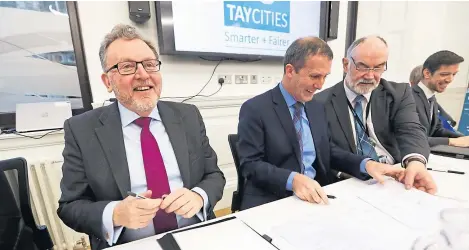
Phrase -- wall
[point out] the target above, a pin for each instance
(420, 29)
(181, 77)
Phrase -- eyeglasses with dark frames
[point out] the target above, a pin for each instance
(130, 67)
(363, 69)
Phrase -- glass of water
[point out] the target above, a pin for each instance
(454, 233)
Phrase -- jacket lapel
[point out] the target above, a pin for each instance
(112, 142)
(379, 110)
(339, 103)
(285, 118)
(177, 136)
(423, 98)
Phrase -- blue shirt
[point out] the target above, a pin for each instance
(309, 152)
(138, 182)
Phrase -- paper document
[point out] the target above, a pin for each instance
(345, 224)
(228, 235)
(445, 163)
(413, 208)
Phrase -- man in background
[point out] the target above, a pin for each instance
(447, 121)
(153, 148)
(438, 72)
(376, 118)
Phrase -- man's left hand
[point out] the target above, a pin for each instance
(183, 202)
(416, 175)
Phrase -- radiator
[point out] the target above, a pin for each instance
(44, 183)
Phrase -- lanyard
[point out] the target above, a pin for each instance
(355, 116)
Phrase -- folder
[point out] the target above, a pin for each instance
(229, 233)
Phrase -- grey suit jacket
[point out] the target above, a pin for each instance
(437, 134)
(393, 114)
(95, 170)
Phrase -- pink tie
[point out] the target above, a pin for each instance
(155, 171)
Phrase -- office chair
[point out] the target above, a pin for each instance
(18, 229)
(238, 194)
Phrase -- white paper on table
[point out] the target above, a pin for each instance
(347, 223)
(230, 235)
(413, 208)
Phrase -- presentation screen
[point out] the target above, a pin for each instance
(263, 29)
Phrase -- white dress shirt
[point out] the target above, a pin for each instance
(138, 180)
(380, 149)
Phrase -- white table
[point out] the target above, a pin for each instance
(265, 217)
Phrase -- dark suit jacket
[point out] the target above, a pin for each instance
(437, 135)
(269, 151)
(95, 169)
(395, 121)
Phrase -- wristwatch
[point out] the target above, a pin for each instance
(411, 159)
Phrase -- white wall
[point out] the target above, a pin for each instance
(416, 29)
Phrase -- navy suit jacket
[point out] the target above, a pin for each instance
(269, 150)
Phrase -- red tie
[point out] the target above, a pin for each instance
(155, 171)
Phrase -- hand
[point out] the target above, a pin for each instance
(135, 213)
(416, 175)
(308, 189)
(459, 142)
(379, 170)
(183, 202)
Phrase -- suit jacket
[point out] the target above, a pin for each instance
(437, 135)
(269, 150)
(395, 121)
(95, 169)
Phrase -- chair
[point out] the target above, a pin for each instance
(238, 194)
(18, 229)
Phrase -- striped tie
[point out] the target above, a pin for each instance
(298, 125)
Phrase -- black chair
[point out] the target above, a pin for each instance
(238, 194)
(18, 229)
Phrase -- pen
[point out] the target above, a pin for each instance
(330, 196)
(136, 195)
(447, 171)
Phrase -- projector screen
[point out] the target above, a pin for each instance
(236, 28)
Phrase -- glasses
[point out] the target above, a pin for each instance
(363, 69)
(129, 68)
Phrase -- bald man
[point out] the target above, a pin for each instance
(376, 118)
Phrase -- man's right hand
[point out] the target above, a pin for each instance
(135, 213)
(308, 189)
(462, 142)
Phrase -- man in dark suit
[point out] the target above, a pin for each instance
(376, 118)
(284, 145)
(438, 72)
(156, 149)
(414, 79)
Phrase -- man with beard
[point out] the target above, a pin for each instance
(157, 150)
(438, 72)
(370, 116)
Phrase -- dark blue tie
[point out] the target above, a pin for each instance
(298, 126)
(364, 145)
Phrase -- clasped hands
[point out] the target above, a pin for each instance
(137, 213)
(415, 175)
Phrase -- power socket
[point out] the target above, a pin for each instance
(241, 79)
(253, 79)
(227, 79)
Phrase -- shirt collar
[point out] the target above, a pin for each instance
(127, 116)
(289, 99)
(428, 92)
(352, 95)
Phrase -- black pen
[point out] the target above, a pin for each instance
(447, 171)
(330, 196)
(136, 195)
